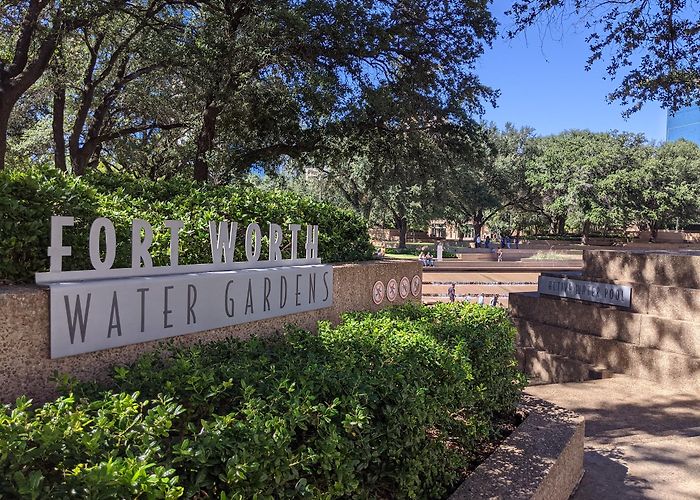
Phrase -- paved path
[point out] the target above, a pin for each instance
(642, 441)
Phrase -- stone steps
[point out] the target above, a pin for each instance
(619, 357)
(461, 290)
(677, 336)
(431, 299)
(548, 368)
(564, 265)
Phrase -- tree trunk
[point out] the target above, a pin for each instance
(586, 231)
(478, 226)
(59, 106)
(367, 211)
(79, 161)
(561, 226)
(205, 141)
(402, 226)
(654, 230)
(4, 123)
(15, 80)
(478, 223)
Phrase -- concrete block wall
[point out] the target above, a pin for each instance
(657, 338)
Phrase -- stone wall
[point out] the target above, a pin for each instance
(657, 338)
(26, 369)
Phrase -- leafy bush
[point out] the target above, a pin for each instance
(28, 198)
(387, 404)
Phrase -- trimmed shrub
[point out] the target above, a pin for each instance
(389, 404)
(28, 199)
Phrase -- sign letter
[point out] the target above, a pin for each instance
(139, 247)
(275, 242)
(110, 244)
(294, 228)
(56, 251)
(174, 226)
(222, 242)
(311, 242)
(253, 254)
(78, 318)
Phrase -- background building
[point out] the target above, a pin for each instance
(685, 124)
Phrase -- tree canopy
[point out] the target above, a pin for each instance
(651, 47)
(218, 87)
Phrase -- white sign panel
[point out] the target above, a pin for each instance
(591, 291)
(93, 315)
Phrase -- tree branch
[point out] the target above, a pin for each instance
(135, 129)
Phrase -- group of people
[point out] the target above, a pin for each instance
(480, 299)
(506, 241)
(426, 259)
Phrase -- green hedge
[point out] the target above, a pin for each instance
(390, 404)
(28, 198)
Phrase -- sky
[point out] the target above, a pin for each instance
(544, 84)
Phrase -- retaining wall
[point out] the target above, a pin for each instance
(657, 338)
(541, 460)
(26, 368)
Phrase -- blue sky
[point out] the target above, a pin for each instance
(543, 84)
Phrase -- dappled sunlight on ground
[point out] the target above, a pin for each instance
(642, 440)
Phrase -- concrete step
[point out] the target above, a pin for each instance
(619, 357)
(430, 300)
(652, 268)
(645, 330)
(672, 302)
(490, 288)
(528, 266)
(443, 276)
(547, 368)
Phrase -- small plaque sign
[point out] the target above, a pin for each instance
(591, 291)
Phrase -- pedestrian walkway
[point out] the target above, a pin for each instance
(642, 440)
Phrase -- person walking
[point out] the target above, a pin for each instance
(494, 301)
(480, 300)
(477, 241)
(499, 255)
(451, 292)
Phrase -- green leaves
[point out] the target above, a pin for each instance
(371, 406)
(29, 197)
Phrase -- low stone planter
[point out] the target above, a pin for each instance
(541, 460)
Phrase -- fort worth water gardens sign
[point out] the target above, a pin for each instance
(104, 307)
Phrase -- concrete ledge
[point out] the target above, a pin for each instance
(507, 267)
(542, 459)
(593, 319)
(659, 268)
(671, 302)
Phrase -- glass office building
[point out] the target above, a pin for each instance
(685, 124)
